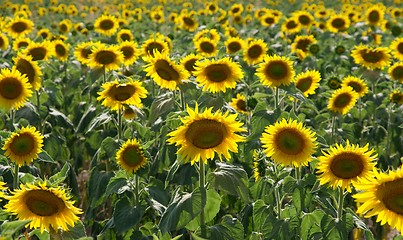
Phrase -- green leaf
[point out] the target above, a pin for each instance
(97, 185)
(99, 120)
(229, 229)
(210, 211)
(61, 118)
(60, 176)
(126, 216)
(76, 232)
(195, 237)
(27, 178)
(310, 224)
(86, 118)
(42, 236)
(183, 209)
(45, 157)
(8, 229)
(161, 105)
(110, 145)
(230, 179)
(289, 184)
(115, 183)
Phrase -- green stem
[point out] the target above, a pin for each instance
(278, 200)
(104, 74)
(202, 185)
(16, 177)
(38, 108)
(388, 138)
(340, 203)
(136, 190)
(298, 173)
(276, 98)
(182, 99)
(119, 123)
(333, 130)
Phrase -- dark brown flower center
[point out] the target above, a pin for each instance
(304, 84)
(132, 156)
(106, 24)
(347, 165)
(43, 203)
(207, 47)
(127, 51)
(342, 100)
(206, 133)
(255, 51)
(276, 70)
(217, 72)
(23, 144)
(121, 92)
(10, 88)
(38, 53)
(25, 67)
(105, 57)
(19, 27)
(289, 142)
(166, 71)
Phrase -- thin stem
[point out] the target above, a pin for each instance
(182, 99)
(333, 129)
(16, 177)
(104, 74)
(298, 173)
(119, 123)
(136, 190)
(38, 108)
(276, 98)
(340, 203)
(202, 185)
(388, 137)
(278, 200)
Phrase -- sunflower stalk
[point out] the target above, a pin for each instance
(202, 185)
(333, 130)
(38, 107)
(136, 189)
(340, 202)
(276, 98)
(16, 177)
(120, 123)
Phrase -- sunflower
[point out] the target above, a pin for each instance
(151, 45)
(106, 25)
(211, 7)
(45, 206)
(307, 82)
(25, 65)
(19, 27)
(105, 56)
(188, 22)
(3, 41)
(290, 26)
(130, 52)
(116, 95)
(382, 196)
(131, 156)
(275, 71)
(371, 57)
(396, 72)
(304, 18)
(61, 50)
(396, 46)
(212, 34)
(255, 51)
(14, 89)
(235, 9)
(44, 33)
(339, 50)
(124, 35)
(21, 43)
(206, 47)
(342, 166)
(301, 44)
(83, 51)
(338, 23)
(342, 100)
(334, 82)
(234, 44)
(396, 97)
(164, 72)
(157, 16)
(129, 113)
(239, 103)
(358, 85)
(374, 15)
(24, 145)
(218, 75)
(203, 135)
(65, 26)
(189, 62)
(39, 50)
(289, 143)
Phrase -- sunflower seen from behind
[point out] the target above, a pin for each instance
(46, 206)
(106, 25)
(342, 100)
(23, 146)
(381, 196)
(275, 71)
(131, 156)
(105, 56)
(357, 84)
(307, 82)
(289, 143)
(165, 73)
(15, 89)
(116, 95)
(218, 75)
(203, 135)
(343, 166)
(25, 65)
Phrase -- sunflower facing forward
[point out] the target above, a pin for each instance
(15, 89)
(239, 103)
(105, 56)
(218, 75)
(39, 50)
(396, 72)
(275, 71)
(203, 135)
(24, 145)
(106, 25)
(116, 95)
(307, 82)
(19, 27)
(382, 197)
(131, 156)
(255, 51)
(289, 143)
(342, 100)
(25, 65)
(47, 207)
(396, 46)
(164, 71)
(342, 166)
(371, 58)
(358, 85)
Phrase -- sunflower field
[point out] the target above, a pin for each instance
(222, 120)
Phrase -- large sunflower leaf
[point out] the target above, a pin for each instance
(8, 229)
(126, 216)
(230, 228)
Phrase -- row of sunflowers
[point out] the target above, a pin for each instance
(178, 119)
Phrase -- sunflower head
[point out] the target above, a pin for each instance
(130, 52)
(307, 82)
(24, 145)
(39, 50)
(150, 46)
(46, 207)
(131, 156)
(338, 23)
(189, 62)
(203, 135)
(234, 44)
(302, 43)
(397, 48)
(289, 143)
(25, 65)
(371, 58)
(18, 27)
(206, 47)
(357, 84)
(276, 71)
(374, 15)
(3, 41)
(106, 25)
(239, 104)
(105, 56)
(334, 82)
(342, 166)
(396, 72)
(396, 97)
(124, 35)
(255, 51)
(14, 89)
(342, 100)
(61, 50)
